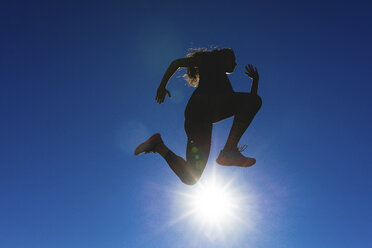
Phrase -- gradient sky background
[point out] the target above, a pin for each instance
(77, 87)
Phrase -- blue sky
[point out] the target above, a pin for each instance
(77, 87)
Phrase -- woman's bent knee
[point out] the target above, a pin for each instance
(253, 104)
(193, 172)
(249, 102)
(190, 180)
(258, 102)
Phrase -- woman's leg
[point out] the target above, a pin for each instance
(246, 107)
(197, 153)
(243, 106)
(198, 127)
(199, 135)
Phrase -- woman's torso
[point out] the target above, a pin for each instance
(213, 81)
(213, 86)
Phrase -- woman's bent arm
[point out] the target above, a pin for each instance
(173, 67)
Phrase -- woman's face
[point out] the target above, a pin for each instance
(230, 63)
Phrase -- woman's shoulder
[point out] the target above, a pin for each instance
(188, 62)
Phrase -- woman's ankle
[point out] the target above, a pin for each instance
(231, 143)
(162, 149)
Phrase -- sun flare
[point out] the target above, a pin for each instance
(219, 208)
(213, 204)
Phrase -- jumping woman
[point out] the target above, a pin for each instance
(213, 100)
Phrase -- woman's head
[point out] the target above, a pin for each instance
(216, 59)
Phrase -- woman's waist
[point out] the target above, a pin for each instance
(208, 96)
(214, 89)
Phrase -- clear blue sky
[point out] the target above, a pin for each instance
(77, 87)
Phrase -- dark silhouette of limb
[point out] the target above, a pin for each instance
(248, 106)
(197, 152)
(245, 110)
(173, 67)
(185, 172)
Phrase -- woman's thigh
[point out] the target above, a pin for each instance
(198, 143)
(216, 107)
(229, 105)
(199, 109)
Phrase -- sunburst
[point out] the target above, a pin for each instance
(215, 208)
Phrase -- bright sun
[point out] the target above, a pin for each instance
(216, 208)
(213, 204)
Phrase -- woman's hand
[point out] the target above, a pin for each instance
(252, 72)
(160, 94)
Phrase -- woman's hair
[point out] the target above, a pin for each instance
(209, 57)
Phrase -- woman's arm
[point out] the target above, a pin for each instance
(173, 67)
(253, 73)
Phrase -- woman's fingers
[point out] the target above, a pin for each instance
(249, 70)
(252, 71)
(159, 100)
(160, 95)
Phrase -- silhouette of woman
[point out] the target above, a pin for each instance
(213, 100)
